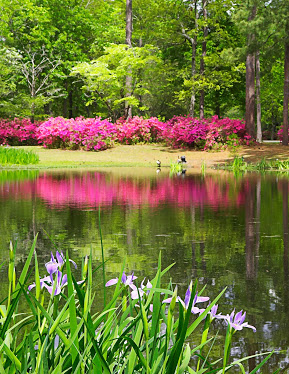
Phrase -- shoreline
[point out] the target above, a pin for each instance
(145, 156)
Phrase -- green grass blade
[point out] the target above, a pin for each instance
(195, 324)
(261, 363)
(72, 310)
(23, 275)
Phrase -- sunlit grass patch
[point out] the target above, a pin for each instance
(16, 156)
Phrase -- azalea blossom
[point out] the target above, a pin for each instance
(236, 322)
(126, 280)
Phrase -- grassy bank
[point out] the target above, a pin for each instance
(146, 156)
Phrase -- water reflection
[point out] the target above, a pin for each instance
(223, 231)
(91, 190)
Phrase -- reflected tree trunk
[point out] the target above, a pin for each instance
(286, 89)
(194, 264)
(251, 272)
(202, 253)
(285, 242)
(252, 233)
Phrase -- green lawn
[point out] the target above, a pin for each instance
(146, 155)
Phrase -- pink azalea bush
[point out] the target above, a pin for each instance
(96, 134)
(280, 134)
(211, 133)
(224, 132)
(139, 130)
(79, 133)
(18, 131)
(185, 132)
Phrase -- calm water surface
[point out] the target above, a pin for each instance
(223, 230)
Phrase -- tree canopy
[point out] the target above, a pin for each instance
(72, 58)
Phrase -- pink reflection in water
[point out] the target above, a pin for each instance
(92, 189)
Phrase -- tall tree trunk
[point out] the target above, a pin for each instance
(217, 104)
(202, 63)
(70, 100)
(65, 101)
(193, 42)
(286, 89)
(258, 97)
(128, 36)
(250, 82)
(194, 48)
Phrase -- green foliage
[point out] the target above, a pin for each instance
(64, 334)
(105, 77)
(176, 167)
(87, 38)
(240, 165)
(16, 156)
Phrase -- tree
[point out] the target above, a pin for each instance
(9, 72)
(250, 77)
(286, 86)
(258, 98)
(105, 77)
(128, 37)
(204, 52)
(38, 68)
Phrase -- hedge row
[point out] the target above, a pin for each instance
(96, 134)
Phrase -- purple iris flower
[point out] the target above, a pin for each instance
(57, 263)
(48, 283)
(236, 322)
(126, 280)
(140, 291)
(186, 302)
(213, 313)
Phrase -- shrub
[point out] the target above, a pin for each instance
(79, 133)
(225, 132)
(211, 133)
(96, 134)
(185, 132)
(18, 131)
(137, 129)
(280, 134)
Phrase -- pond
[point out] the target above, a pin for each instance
(226, 231)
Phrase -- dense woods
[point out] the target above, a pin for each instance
(120, 58)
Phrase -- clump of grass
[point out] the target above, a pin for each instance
(16, 156)
(142, 328)
(176, 167)
(203, 168)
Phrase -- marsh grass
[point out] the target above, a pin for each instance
(17, 156)
(240, 165)
(176, 168)
(62, 334)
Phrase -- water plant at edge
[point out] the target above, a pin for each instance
(16, 156)
(144, 328)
